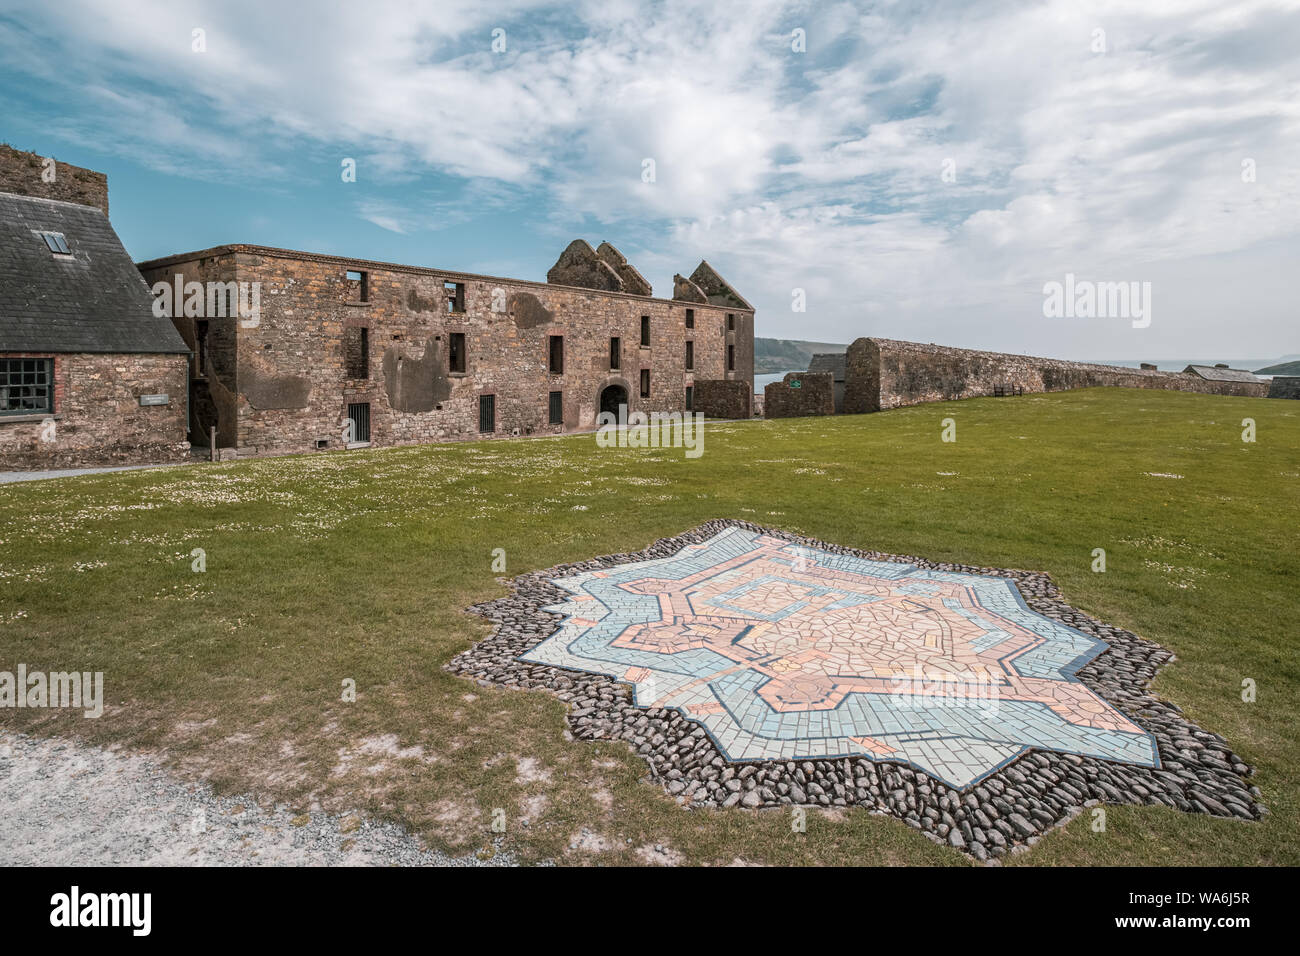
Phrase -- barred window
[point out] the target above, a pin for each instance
(26, 386)
(557, 408)
(359, 418)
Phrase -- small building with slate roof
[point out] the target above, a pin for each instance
(1221, 373)
(832, 362)
(89, 374)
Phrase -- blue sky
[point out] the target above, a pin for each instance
(1101, 139)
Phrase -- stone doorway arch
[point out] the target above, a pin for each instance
(614, 393)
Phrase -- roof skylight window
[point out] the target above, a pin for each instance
(56, 243)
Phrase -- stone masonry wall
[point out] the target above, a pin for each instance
(813, 395)
(718, 398)
(288, 389)
(215, 384)
(21, 173)
(1284, 386)
(98, 418)
(885, 373)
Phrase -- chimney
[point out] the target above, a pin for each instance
(30, 174)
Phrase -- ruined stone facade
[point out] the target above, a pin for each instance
(885, 373)
(800, 394)
(432, 355)
(29, 174)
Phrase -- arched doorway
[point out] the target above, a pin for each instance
(611, 398)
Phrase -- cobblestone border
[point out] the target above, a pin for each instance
(1003, 813)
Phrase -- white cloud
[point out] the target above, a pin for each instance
(820, 171)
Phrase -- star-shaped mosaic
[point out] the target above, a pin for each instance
(787, 652)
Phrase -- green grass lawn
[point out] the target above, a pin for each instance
(359, 565)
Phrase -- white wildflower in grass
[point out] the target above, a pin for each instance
(26, 575)
(1178, 577)
(183, 592)
(1156, 542)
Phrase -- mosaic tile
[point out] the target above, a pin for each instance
(764, 629)
(754, 668)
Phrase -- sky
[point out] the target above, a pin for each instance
(916, 170)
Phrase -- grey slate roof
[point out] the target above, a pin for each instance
(94, 301)
(832, 362)
(1212, 374)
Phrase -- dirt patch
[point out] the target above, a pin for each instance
(531, 772)
(585, 841)
(659, 854)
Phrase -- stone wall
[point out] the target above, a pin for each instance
(212, 383)
(98, 418)
(718, 398)
(1284, 386)
(800, 394)
(282, 386)
(885, 373)
(25, 174)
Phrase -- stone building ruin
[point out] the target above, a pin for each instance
(353, 353)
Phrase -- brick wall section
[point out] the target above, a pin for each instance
(814, 396)
(282, 386)
(885, 373)
(98, 418)
(1284, 386)
(21, 173)
(718, 398)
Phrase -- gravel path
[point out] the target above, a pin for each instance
(72, 804)
(10, 477)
